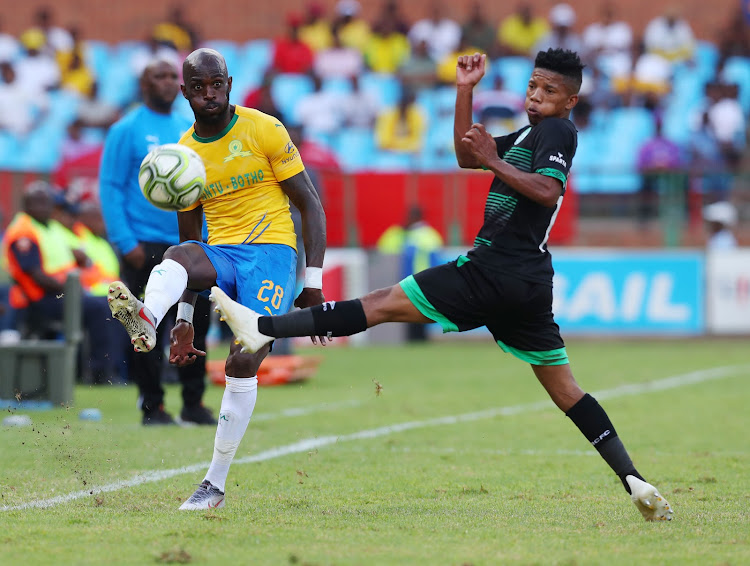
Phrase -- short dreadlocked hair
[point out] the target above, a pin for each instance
(565, 62)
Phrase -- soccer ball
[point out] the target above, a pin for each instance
(172, 176)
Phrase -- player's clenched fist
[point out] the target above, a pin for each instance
(470, 69)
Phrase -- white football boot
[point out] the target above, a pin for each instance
(242, 320)
(207, 496)
(649, 501)
(134, 316)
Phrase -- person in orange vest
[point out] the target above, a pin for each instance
(38, 262)
(104, 266)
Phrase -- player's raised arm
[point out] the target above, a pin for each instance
(469, 71)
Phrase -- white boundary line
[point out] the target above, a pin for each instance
(309, 444)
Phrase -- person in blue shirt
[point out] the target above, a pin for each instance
(141, 233)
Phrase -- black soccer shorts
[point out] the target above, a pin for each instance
(461, 296)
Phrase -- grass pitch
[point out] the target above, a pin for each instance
(516, 486)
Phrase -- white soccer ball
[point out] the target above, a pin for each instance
(172, 176)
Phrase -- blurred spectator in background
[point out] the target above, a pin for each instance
(360, 107)
(176, 31)
(670, 36)
(648, 81)
(290, 54)
(659, 159)
(390, 18)
(20, 108)
(478, 28)
(608, 42)
(720, 218)
(419, 71)
(419, 245)
(521, 31)
(38, 262)
(401, 129)
(62, 220)
(55, 39)
(76, 75)
(582, 115)
(93, 112)
(500, 110)
(709, 168)
(320, 112)
(315, 30)
(446, 68)
(152, 50)
(37, 71)
(317, 157)
(388, 48)
(726, 120)
(441, 33)
(104, 266)
(76, 144)
(261, 98)
(353, 30)
(562, 18)
(9, 46)
(338, 60)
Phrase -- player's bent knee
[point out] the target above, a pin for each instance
(240, 364)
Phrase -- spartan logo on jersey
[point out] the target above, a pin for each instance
(558, 159)
(235, 150)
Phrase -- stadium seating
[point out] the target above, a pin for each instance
(287, 89)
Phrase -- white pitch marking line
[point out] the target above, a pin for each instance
(308, 444)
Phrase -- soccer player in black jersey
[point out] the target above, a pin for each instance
(505, 281)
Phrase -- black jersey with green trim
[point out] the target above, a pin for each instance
(513, 238)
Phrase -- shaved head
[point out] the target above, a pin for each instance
(207, 86)
(204, 60)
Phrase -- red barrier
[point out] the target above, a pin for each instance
(360, 207)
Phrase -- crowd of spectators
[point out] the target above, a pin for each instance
(387, 83)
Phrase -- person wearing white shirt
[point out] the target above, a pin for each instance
(608, 42)
(37, 71)
(721, 218)
(670, 36)
(320, 112)
(9, 47)
(441, 34)
(338, 61)
(19, 108)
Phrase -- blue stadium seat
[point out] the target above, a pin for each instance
(99, 57)
(253, 60)
(337, 85)
(355, 148)
(287, 89)
(10, 152)
(228, 49)
(706, 57)
(385, 88)
(515, 72)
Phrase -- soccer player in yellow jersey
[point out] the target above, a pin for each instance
(253, 171)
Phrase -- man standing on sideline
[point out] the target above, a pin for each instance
(253, 172)
(505, 282)
(141, 233)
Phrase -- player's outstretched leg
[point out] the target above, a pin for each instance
(134, 316)
(242, 320)
(206, 496)
(648, 500)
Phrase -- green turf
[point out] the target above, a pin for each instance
(522, 488)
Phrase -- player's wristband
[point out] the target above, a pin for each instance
(314, 277)
(185, 312)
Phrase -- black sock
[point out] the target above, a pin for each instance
(595, 425)
(329, 319)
